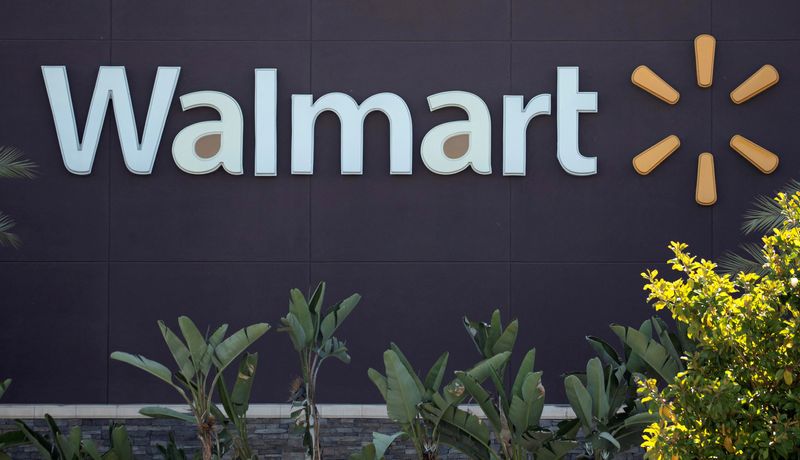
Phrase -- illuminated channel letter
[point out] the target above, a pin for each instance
(453, 146)
(111, 85)
(571, 103)
(515, 126)
(266, 122)
(203, 147)
(351, 117)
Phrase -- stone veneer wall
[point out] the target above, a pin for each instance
(271, 438)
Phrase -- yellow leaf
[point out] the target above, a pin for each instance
(787, 377)
(729, 444)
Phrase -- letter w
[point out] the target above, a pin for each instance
(111, 84)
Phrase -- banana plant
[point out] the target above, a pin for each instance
(515, 416)
(427, 411)
(428, 416)
(201, 359)
(57, 446)
(652, 350)
(609, 425)
(311, 333)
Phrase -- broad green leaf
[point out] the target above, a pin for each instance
(147, 365)
(240, 396)
(617, 393)
(225, 400)
(648, 350)
(299, 308)
(480, 372)
(525, 410)
(605, 351)
(402, 393)
(478, 333)
(336, 315)
(458, 428)
(579, 399)
(533, 394)
(317, 297)
(379, 380)
(89, 448)
(383, 441)
(296, 332)
(668, 340)
(70, 445)
(525, 368)
(38, 441)
(642, 418)
(494, 331)
(179, 351)
(518, 414)
(556, 449)
(121, 443)
(12, 438)
(568, 429)
(413, 372)
(207, 360)
(595, 384)
(335, 348)
(198, 347)
(4, 384)
(534, 439)
(646, 328)
(507, 339)
(481, 397)
(433, 380)
(215, 338)
(366, 453)
(483, 369)
(166, 412)
(238, 342)
(608, 437)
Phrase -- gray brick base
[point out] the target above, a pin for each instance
(271, 438)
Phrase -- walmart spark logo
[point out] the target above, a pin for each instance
(706, 188)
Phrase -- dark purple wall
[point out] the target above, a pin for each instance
(107, 255)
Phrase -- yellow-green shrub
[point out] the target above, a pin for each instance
(739, 396)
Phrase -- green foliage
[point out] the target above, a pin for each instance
(171, 450)
(611, 422)
(311, 333)
(4, 384)
(765, 215)
(56, 445)
(652, 351)
(430, 416)
(201, 359)
(7, 237)
(514, 416)
(738, 396)
(748, 260)
(13, 166)
(427, 412)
